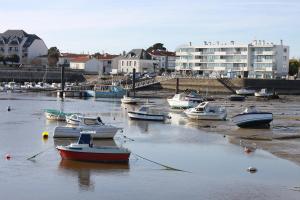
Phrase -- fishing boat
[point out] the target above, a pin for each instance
(129, 100)
(52, 114)
(180, 101)
(245, 92)
(206, 111)
(102, 131)
(84, 150)
(106, 91)
(235, 97)
(253, 118)
(144, 113)
(263, 93)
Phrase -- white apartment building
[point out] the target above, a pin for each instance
(26, 46)
(137, 59)
(258, 59)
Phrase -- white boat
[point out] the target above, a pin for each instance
(180, 101)
(129, 100)
(206, 111)
(245, 91)
(144, 113)
(263, 93)
(253, 118)
(102, 131)
(76, 119)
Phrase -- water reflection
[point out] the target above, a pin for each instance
(85, 171)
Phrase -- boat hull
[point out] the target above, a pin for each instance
(142, 116)
(237, 98)
(51, 116)
(99, 94)
(106, 157)
(205, 116)
(181, 103)
(102, 132)
(245, 93)
(253, 120)
(129, 101)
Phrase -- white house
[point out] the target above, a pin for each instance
(258, 59)
(166, 59)
(106, 60)
(26, 46)
(92, 65)
(137, 59)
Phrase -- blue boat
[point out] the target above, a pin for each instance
(106, 91)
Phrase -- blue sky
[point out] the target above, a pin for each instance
(117, 25)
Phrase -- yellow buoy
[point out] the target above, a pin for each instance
(45, 134)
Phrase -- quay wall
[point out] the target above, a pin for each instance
(216, 87)
(36, 74)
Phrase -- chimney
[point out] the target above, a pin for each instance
(232, 42)
(281, 42)
(190, 43)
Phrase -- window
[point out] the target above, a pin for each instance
(134, 63)
(285, 50)
(122, 63)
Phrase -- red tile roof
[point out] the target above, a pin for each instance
(82, 59)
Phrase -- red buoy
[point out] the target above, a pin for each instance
(8, 157)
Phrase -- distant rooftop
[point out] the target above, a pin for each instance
(14, 37)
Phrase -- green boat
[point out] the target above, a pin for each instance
(52, 114)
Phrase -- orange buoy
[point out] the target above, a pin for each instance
(247, 150)
(7, 157)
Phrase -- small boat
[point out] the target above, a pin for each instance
(75, 119)
(263, 93)
(245, 91)
(253, 118)
(106, 91)
(143, 113)
(52, 114)
(194, 97)
(129, 100)
(84, 150)
(235, 97)
(180, 101)
(102, 131)
(206, 111)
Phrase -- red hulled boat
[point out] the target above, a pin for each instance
(84, 150)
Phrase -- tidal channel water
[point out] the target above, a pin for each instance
(215, 168)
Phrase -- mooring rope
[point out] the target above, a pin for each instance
(35, 155)
(162, 165)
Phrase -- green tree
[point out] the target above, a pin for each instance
(293, 67)
(53, 56)
(157, 46)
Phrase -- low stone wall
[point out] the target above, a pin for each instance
(215, 87)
